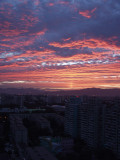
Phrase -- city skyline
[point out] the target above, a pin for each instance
(59, 44)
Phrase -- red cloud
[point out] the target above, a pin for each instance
(93, 10)
(87, 13)
(11, 33)
(51, 4)
(91, 43)
(66, 39)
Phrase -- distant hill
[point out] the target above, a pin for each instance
(88, 91)
(19, 91)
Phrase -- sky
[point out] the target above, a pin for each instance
(59, 44)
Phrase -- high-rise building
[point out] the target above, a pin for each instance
(81, 118)
(95, 120)
(112, 126)
(90, 120)
(71, 116)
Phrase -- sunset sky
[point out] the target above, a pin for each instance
(60, 44)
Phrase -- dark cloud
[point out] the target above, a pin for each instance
(28, 24)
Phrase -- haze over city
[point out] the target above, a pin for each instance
(59, 44)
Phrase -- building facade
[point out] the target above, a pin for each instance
(95, 120)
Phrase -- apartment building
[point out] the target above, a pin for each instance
(95, 120)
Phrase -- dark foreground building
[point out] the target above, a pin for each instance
(95, 120)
